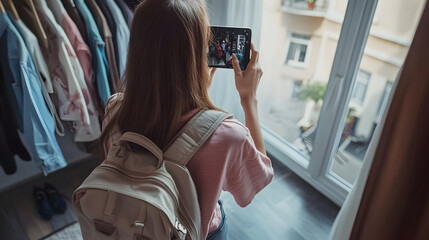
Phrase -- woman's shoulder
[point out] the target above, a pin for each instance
(232, 131)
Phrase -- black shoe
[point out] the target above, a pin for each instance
(42, 204)
(57, 202)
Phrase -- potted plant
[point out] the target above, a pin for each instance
(314, 91)
(310, 4)
(350, 123)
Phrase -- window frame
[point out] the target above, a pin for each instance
(350, 48)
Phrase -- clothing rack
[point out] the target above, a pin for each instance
(74, 96)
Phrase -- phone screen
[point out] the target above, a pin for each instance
(226, 41)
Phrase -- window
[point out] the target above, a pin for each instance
(295, 89)
(359, 91)
(313, 127)
(299, 45)
(323, 129)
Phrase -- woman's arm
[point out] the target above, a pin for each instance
(247, 82)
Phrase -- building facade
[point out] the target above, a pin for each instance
(298, 44)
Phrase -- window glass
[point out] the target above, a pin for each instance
(298, 43)
(385, 51)
(297, 53)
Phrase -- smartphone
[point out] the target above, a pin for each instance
(226, 41)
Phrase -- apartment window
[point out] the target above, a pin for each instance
(296, 88)
(298, 51)
(359, 91)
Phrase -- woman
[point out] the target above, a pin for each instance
(228, 56)
(166, 83)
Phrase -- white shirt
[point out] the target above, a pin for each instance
(93, 130)
(68, 78)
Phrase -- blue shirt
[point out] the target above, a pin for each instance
(122, 34)
(37, 123)
(97, 46)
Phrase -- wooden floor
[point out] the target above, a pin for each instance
(287, 209)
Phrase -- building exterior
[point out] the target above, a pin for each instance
(298, 45)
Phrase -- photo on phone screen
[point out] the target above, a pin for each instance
(226, 41)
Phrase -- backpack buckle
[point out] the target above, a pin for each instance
(138, 227)
(180, 227)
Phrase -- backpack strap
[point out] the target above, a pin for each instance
(193, 135)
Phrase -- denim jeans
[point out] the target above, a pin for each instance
(221, 232)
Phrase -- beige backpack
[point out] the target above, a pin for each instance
(149, 194)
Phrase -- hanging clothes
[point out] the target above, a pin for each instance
(7, 160)
(84, 56)
(36, 53)
(126, 12)
(38, 124)
(10, 132)
(97, 47)
(77, 19)
(69, 81)
(28, 14)
(132, 4)
(103, 27)
(10, 143)
(120, 31)
(42, 69)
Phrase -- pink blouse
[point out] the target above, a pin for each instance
(227, 161)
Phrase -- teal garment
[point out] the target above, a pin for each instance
(38, 126)
(97, 46)
(122, 34)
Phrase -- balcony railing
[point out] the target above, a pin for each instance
(302, 7)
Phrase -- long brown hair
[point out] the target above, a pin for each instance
(166, 74)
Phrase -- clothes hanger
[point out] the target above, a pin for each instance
(2, 8)
(44, 42)
(11, 7)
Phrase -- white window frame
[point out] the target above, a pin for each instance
(350, 48)
(307, 42)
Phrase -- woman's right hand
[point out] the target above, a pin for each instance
(247, 81)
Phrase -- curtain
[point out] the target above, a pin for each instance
(390, 199)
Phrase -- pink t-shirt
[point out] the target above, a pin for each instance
(227, 161)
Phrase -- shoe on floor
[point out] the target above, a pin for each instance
(57, 202)
(42, 203)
